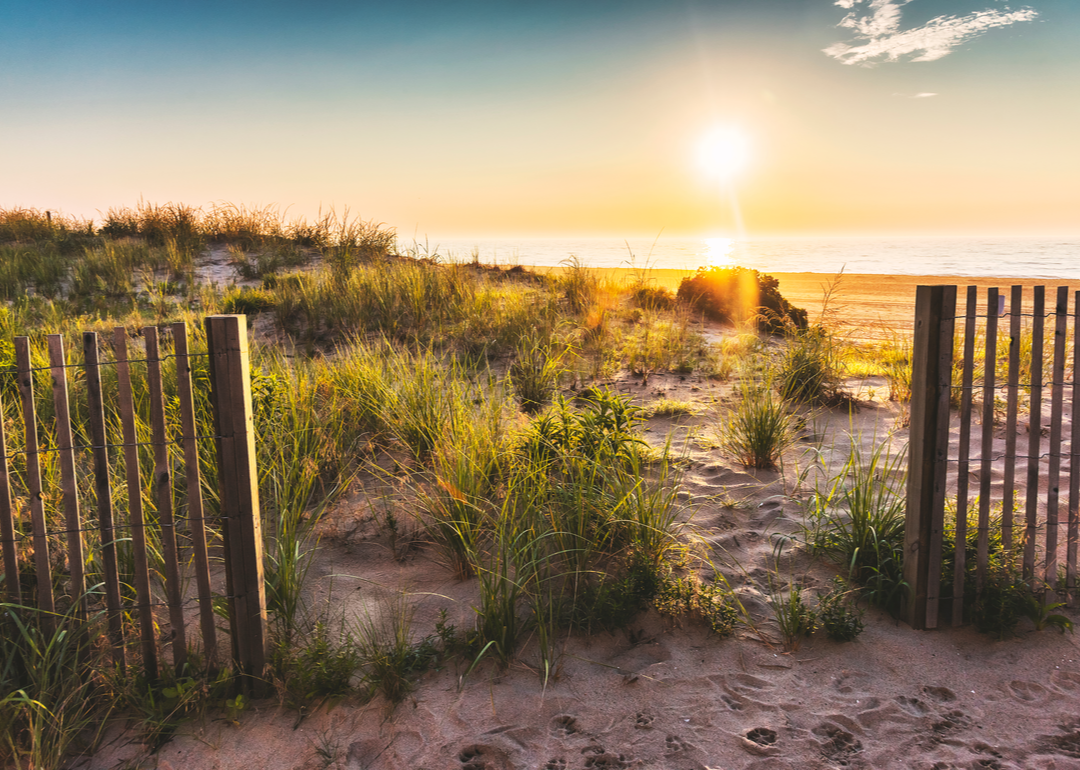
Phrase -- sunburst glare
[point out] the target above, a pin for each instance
(723, 152)
(719, 251)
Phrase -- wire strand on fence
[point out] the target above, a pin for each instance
(1021, 385)
(130, 527)
(995, 458)
(114, 362)
(84, 447)
(984, 316)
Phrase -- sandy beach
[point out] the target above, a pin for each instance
(663, 693)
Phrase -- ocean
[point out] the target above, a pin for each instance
(1018, 257)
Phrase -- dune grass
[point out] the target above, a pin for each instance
(444, 379)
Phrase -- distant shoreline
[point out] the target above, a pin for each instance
(885, 302)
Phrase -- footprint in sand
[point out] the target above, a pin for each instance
(481, 757)
(1028, 692)
(564, 724)
(675, 745)
(555, 764)
(599, 758)
(1066, 743)
(731, 703)
(939, 694)
(643, 721)
(838, 746)
(760, 741)
(750, 682)
(912, 706)
(762, 736)
(951, 722)
(1065, 681)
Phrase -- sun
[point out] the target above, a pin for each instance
(723, 152)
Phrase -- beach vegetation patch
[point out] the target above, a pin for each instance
(758, 428)
(53, 697)
(247, 301)
(795, 618)
(838, 613)
(809, 368)
(856, 518)
(741, 296)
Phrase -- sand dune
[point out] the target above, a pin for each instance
(660, 694)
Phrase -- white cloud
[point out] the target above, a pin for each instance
(877, 23)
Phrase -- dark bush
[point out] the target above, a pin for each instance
(247, 301)
(737, 294)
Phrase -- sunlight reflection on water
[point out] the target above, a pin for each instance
(719, 251)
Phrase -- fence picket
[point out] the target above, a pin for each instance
(987, 443)
(966, 381)
(195, 515)
(68, 482)
(42, 565)
(1034, 430)
(103, 495)
(135, 509)
(1008, 502)
(1057, 397)
(12, 588)
(1074, 461)
(163, 497)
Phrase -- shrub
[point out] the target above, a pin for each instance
(711, 603)
(857, 519)
(316, 665)
(604, 431)
(896, 365)
(579, 286)
(534, 374)
(838, 615)
(794, 616)
(758, 430)
(740, 295)
(808, 370)
(651, 297)
(391, 660)
(247, 301)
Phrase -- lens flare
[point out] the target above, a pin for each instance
(719, 251)
(723, 152)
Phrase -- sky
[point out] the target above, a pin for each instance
(485, 119)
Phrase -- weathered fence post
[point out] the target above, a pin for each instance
(931, 378)
(230, 380)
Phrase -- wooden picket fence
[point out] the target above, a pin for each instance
(1006, 465)
(154, 607)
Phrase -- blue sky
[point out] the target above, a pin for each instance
(552, 118)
